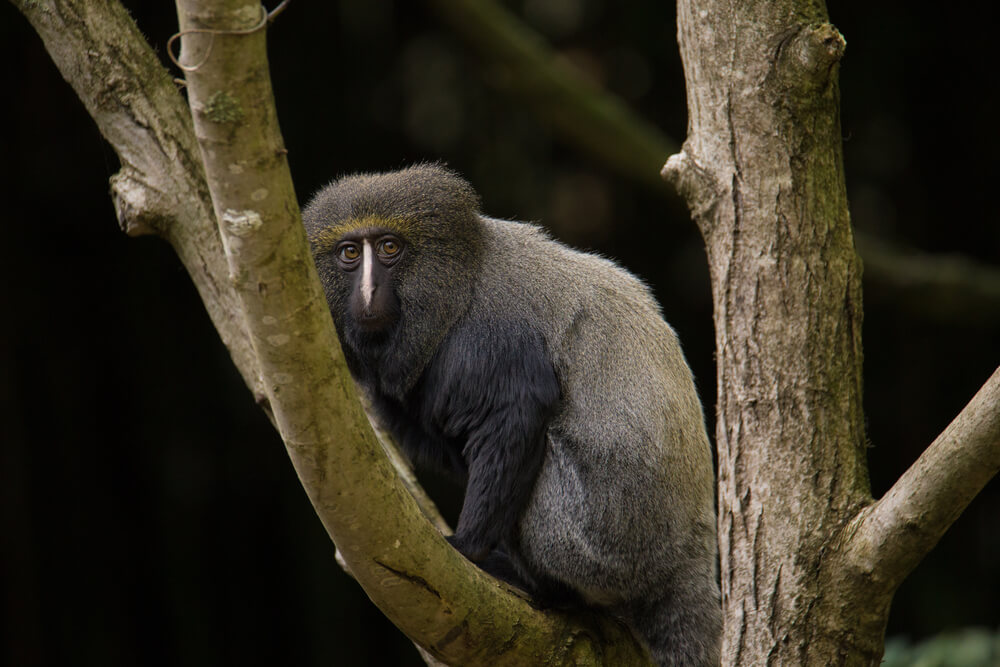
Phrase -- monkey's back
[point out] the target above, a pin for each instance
(629, 423)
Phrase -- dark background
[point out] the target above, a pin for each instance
(148, 512)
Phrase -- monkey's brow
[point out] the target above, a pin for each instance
(326, 239)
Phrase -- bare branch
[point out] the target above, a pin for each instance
(947, 288)
(890, 537)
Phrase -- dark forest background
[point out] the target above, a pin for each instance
(148, 512)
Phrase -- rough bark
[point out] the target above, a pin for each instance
(762, 170)
(808, 565)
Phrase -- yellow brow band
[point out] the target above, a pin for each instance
(326, 239)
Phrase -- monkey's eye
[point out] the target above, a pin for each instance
(389, 247)
(349, 252)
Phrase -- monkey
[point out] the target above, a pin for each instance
(548, 381)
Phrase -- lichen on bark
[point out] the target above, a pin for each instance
(222, 107)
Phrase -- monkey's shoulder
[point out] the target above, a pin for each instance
(540, 268)
(601, 325)
(570, 294)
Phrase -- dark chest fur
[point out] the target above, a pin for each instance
(488, 382)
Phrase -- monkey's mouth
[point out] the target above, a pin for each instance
(376, 316)
(374, 322)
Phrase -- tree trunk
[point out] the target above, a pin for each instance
(809, 562)
(762, 172)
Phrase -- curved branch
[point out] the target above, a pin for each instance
(888, 539)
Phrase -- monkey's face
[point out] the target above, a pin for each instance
(367, 259)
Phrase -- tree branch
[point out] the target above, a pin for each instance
(888, 539)
(946, 288)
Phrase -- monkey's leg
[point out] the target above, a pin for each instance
(682, 628)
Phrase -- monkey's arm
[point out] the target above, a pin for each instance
(495, 390)
(425, 449)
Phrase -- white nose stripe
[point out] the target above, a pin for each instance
(367, 288)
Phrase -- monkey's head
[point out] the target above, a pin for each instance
(397, 254)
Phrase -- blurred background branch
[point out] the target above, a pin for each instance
(521, 63)
(944, 287)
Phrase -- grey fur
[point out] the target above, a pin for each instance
(622, 510)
